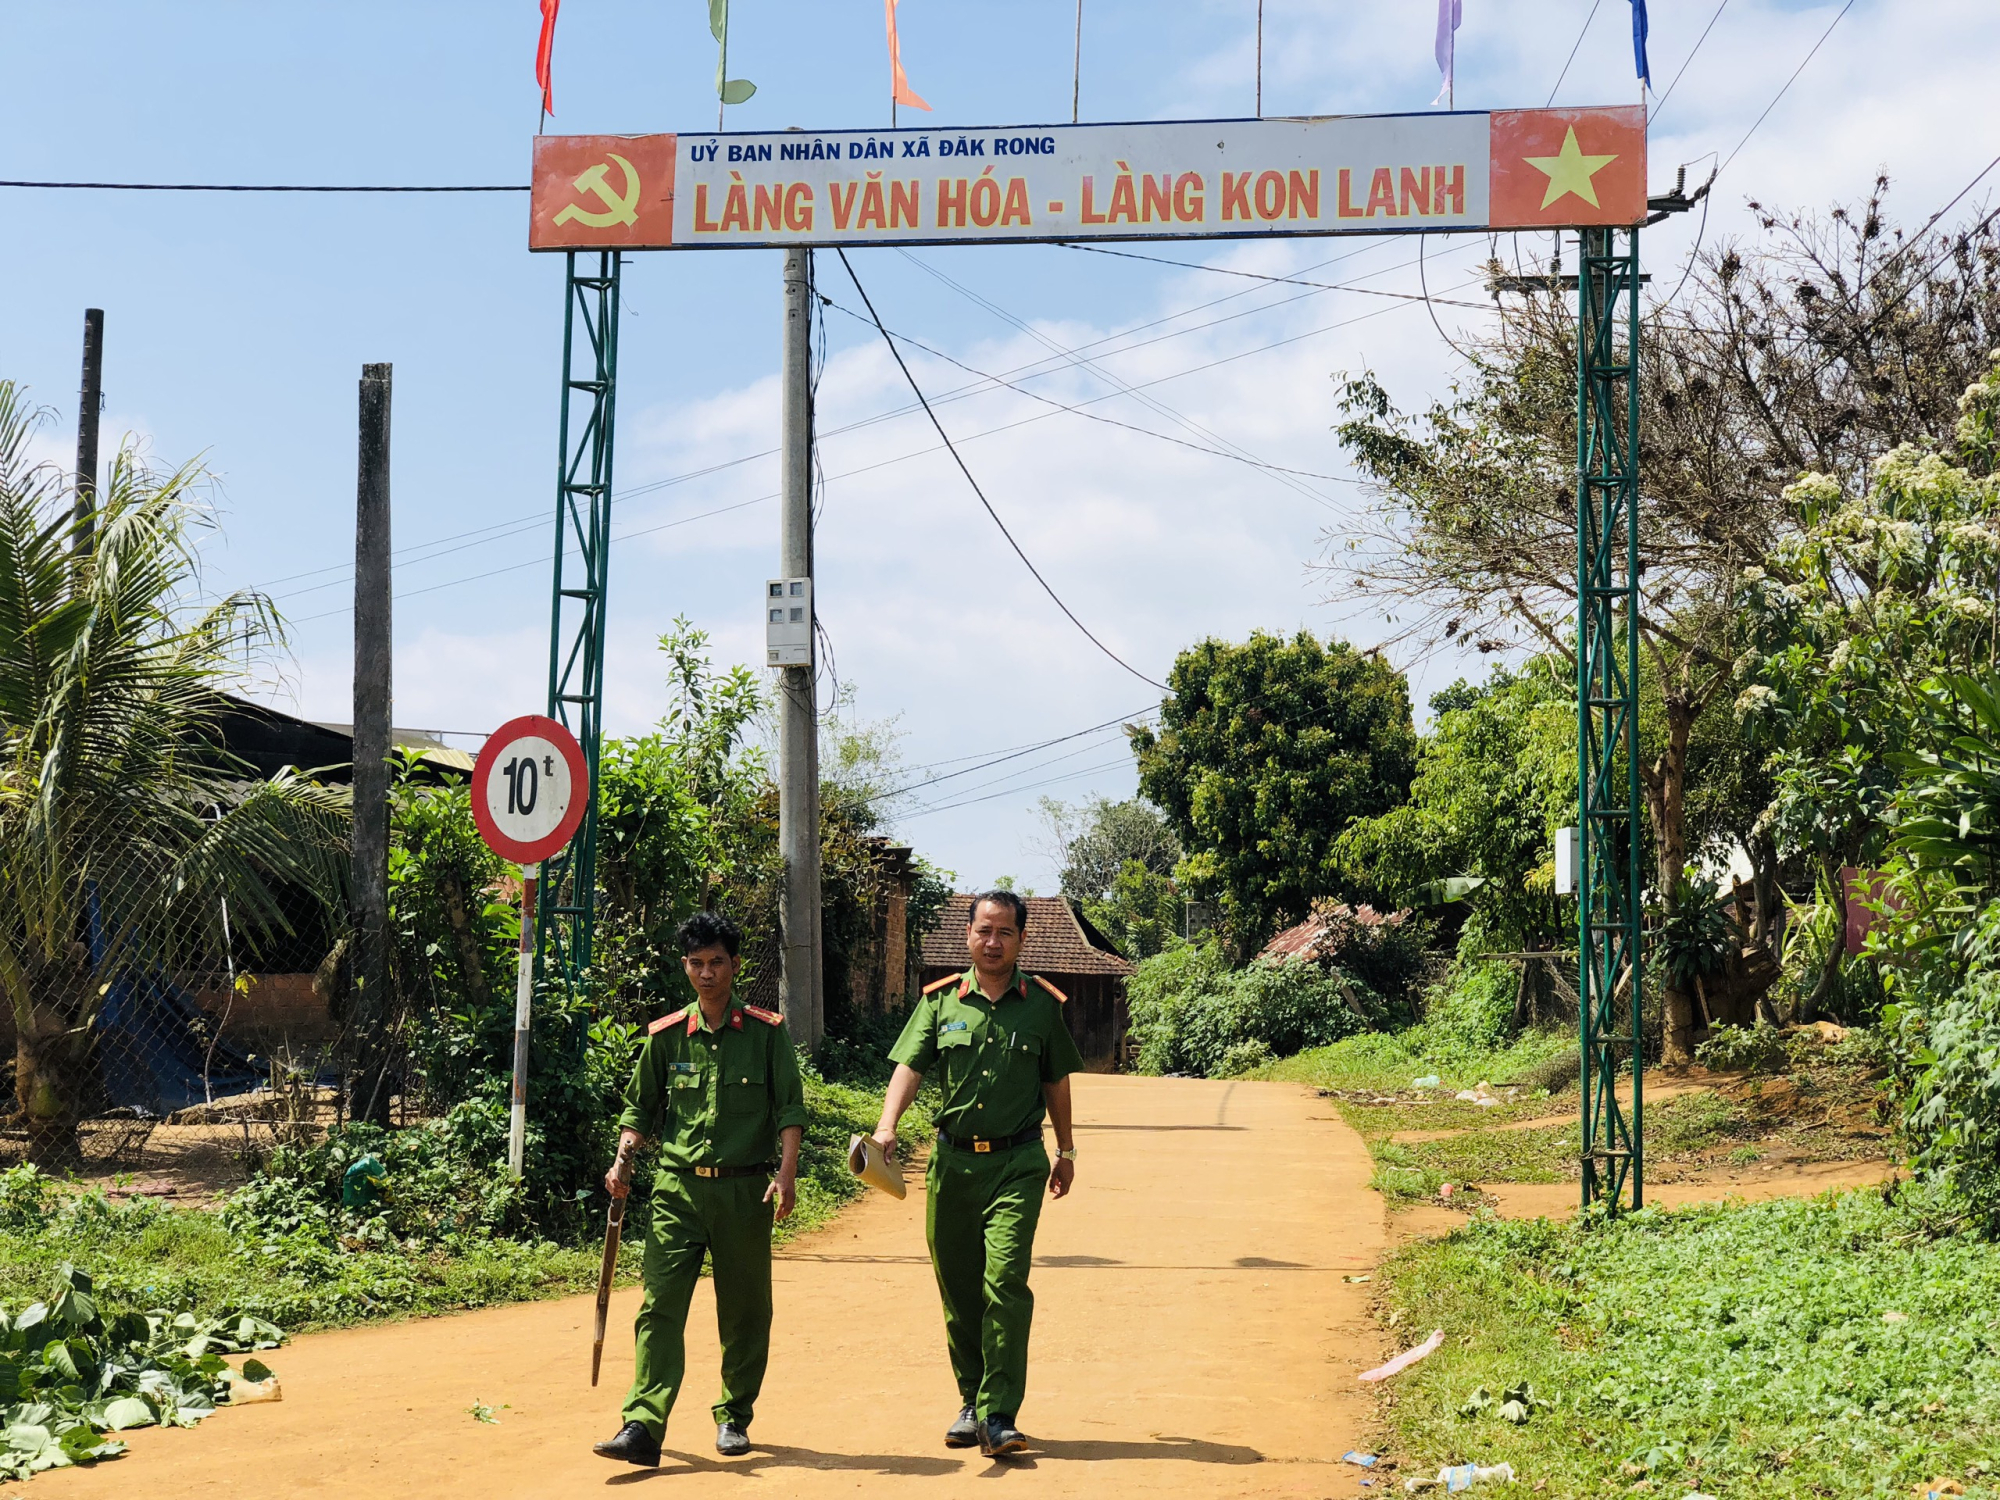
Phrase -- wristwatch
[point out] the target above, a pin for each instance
(1069, 1155)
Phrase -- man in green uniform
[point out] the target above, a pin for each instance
(717, 1086)
(1006, 1053)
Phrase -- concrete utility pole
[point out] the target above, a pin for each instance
(89, 401)
(369, 1010)
(801, 985)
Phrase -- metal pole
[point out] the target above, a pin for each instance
(798, 717)
(372, 697)
(89, 404)
(524, 994)
(1607, 684)
(1076, 76)
(1260, 59)
(581, 577)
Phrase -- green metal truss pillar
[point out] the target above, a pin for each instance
(566, 905)
(1607, 701)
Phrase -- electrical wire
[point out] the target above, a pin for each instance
(535, 562)
(1288, 478)
(537, 519)
(1786, 88)
(897, 355)
(1093, 736)
(924, 812)
(1574, 49)
(870, 468)
(1325, 286)
(1662, 104)
(1165, 437)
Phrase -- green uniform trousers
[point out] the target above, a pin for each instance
(726, 1218)
(980, 1220)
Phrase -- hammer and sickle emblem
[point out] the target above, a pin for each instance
(618, 208)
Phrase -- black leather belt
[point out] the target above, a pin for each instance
(762, 1169)
(983, 1144)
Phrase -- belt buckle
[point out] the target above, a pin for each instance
(981, 1148)
(708, 1171)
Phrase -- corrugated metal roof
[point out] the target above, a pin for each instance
(1056, 942)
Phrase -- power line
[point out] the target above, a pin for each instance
(1686, 60)
(869, 468)
(260, 187)
(1325, 286)
(1165, 437)
(1109, 765)
(537, 561)
(1230, 447)
(1033, 368)
(1095, 741)
(897, 354)
(1002, 757)
(1787, 86)
(1574, 49)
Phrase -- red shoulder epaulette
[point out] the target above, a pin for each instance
(768, 1017)
(665, 1021)
(937, 984)
(1061, 998)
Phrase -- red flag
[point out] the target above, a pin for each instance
(544, 52)
(899, 86)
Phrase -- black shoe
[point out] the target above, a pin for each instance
(964, 1432)
(998, 1436)
(731, 1441)
(633, 1445)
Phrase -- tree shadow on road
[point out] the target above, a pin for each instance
(772, 1456)
(1183, 1449)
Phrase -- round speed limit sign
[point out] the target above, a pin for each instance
(529, 789)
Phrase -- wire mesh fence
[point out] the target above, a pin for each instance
(137, 1037)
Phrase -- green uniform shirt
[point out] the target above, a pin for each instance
(995, 1055)
(715, 1098)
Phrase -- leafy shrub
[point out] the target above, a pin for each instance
(1744, 1049)
(1192, 1015)
(68, 1375)
(27, 1198)
(446, 1180)
(1473, 1010)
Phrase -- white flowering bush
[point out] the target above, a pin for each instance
(1874, 595)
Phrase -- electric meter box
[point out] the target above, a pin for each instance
(1568, 862)
(788, 622)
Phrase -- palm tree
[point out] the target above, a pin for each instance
(124, 824)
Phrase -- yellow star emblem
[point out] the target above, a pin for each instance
(1570, 171)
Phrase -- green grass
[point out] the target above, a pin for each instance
(1493, 1156)
(147, 1254)
(1789, 1349)
(1384, 1060)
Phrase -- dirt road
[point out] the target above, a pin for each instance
(1193, 1336)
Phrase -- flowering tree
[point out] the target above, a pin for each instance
(1852, 620)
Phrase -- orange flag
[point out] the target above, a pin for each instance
(899, 86)
(545, 53)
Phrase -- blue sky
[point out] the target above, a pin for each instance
(237, 324)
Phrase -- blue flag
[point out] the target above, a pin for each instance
(1639, 42)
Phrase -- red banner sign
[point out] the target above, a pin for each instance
(1345, 174)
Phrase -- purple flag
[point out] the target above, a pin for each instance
(1446, 49)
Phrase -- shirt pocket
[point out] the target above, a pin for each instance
(739, 1095)
(1024, 1056)
(687, 1093)
(955, 1054)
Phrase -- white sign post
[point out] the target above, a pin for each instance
(529, 791)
